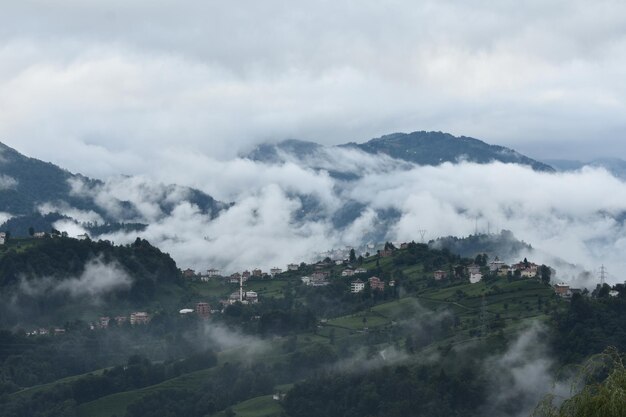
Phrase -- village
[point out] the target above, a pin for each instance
(336, 264)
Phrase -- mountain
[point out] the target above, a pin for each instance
(615, 166)
(434, 148)
(422, 148)
(37, 193)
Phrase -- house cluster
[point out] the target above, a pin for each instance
(522, 269)
(55, 331)
(135, 318)
(234, 278)
(316, 279)
(350, 272)
(525, 269)
(375, 283)
(563, 290)
(473, 271)
(202, 310)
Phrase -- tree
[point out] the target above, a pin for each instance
(31, 231)
(546, 274)
(352, 255)
(604, 398)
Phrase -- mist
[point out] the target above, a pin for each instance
(523, 375)
(98, 279)
(287, 212)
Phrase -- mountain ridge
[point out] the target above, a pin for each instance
(419, 147)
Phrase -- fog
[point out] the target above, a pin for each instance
(523, 375)
(98, 279)
(284, 212)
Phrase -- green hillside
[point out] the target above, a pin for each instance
(320, 344)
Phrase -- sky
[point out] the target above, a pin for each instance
(173, 92)
(104, 88)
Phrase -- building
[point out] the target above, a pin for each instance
(320, 275)
(504, 271)
(293, 267)
(473, 269)
(613, 293)
(376, 284)
(318, 282)
(84, 236)
(186, 311)
(404, 245)
(246, 275)
(257, 273)
(235, 278)
(476, 277)
(439, 275)
(203, 310)
(495, 265)
(306, 280)
(104, 322)
(357, 286)
(189, 273)
(347, 273)
(3, 238)
(139, 317)
(212, 273)
(39, 235)
(385, 253)
(275, 271)
(392, 283)
(252, 297)
(120, 320)
(562, 289)
(360, 271)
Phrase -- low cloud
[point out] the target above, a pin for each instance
(232, 341)
(7, 182)
(520, 377)
(98, 278)
(287, 212)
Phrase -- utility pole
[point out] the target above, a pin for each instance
(422, 233)
(602, 275)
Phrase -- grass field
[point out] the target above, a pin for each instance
(263, 406)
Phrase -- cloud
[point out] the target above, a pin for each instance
(97, 279)
(82, 216)
(121, 85)
(287, 212)
(7, 182)
(521, 376)
(230, 341)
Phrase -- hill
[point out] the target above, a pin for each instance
(52, 281)
(421, 148)
(37, 193)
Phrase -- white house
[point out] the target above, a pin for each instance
(476, 277)
(495, 265)
(293, 267)
(360, 271)
(613, 293)
(212, 273)
(275, 271)
(357, 286)
(347, 273)
(306, 280)
(3, 238)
